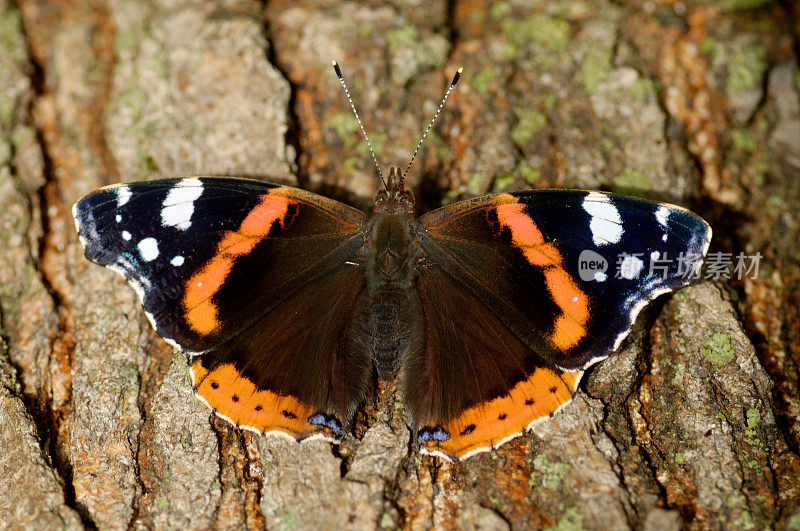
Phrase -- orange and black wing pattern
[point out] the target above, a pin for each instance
(220, 265)
(521, 293)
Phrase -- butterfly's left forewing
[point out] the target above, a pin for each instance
(255, 278)
(547, 282)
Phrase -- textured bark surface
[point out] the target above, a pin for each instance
(694, 423)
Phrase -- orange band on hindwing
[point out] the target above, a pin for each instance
(201, 311)
(233, 396)
(569, 327)
(484, 426)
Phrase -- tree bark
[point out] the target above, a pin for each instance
(695, 422)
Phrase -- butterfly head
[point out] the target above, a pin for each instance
(394, 197)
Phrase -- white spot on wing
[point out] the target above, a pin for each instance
(148, 249)
(126, 235)
(177, 261)
(630, 267)
(661, 216)
(178, 206)
(118, 217)
(606, 223)
(599, 276)
(123, 195)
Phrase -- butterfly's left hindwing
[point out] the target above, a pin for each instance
(545, 283)
(221, 266)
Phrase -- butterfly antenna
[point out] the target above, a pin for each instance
(441, 105)
(355, 112)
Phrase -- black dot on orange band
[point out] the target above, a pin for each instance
(214, 385)
(553, 389)
(258, 408)
(288, 414)
(469, 429)
(501, 416)
(235, 398)
(529, 402)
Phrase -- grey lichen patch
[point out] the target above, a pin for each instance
(793, 522)
(12, 44)
(784, 95)
(523, 171)
(288, 522)
(642, 90)
(529, 123)
(8, 375)
(632, 181)
(548, 473)
(345, 125)
(483, 80)
(499, 10)
(502, 182)
(738, 503)
(128, 374)
(413, 52)
(572, 520)
(527, 173)
(378, 139)
(594, 68)
(476, 184)
(746, 68)
(753, 418)
(14, 81)
(717, 348)
(22, 134)
(387, 522)
(551, 32)
(402, 37)
(744, 140)
(7, 107)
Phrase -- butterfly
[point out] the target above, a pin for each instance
(484, 313)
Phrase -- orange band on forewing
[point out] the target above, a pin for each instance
(569, 327)
(485, 425)
(524, 231)
(235, 397)
(542, 255)
(201, 311)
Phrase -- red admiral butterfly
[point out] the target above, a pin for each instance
(485, 312)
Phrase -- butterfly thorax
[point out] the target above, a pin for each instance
(392, 251)
(391, 237)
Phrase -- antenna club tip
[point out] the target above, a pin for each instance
(336, 69)
(456, 77)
